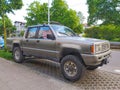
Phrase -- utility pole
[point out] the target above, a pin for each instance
(48, 11)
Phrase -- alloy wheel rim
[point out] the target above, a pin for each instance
(70, 68)
(17, 55)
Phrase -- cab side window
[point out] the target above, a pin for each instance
(32, 32)
(43, 32)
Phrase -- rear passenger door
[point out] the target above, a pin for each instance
(29, 46)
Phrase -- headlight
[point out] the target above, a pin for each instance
(100, 47)
(96, 48)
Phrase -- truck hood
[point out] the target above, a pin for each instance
(82, 40)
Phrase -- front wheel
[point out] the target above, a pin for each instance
(17, 55)
(71, 67)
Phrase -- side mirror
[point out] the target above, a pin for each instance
(50, 36)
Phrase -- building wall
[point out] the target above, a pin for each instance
(20, 26)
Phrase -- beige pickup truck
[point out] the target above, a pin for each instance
(60, 44)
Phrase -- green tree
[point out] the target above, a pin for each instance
(106, 10)
(7, 6)
(109, 32)
(22, 33)
(37, 13)
(9, 27)
(59, 12)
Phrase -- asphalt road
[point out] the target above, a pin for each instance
(115, 58)
(114, 62)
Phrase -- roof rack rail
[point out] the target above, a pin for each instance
(55, 22)
(52, 22)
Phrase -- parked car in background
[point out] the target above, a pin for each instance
(1, 42)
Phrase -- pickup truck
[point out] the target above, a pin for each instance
(60, 44)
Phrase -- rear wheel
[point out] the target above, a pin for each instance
(71, 67)
(17, 55)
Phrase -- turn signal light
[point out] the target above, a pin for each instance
(92, 49)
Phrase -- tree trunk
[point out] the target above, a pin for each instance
(4, 29)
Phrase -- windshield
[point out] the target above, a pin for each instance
(63, 31)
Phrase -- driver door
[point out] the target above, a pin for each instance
(46, 47)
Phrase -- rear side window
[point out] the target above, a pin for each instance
(32, 32)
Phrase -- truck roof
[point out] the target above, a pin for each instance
(52, 23)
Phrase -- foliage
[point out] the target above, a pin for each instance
(22, 33)
(64, 15)
(106, 10)
(7, 6)
(9, 27)
(59, 12)
(109, 32)
(37, 13)
(5, 54)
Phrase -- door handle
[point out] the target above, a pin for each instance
(26, 40)
(37, 41)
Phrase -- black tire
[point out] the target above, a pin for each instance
(92, 67)
(77, 65)
(17, 55)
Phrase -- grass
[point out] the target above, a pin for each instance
(5, 54)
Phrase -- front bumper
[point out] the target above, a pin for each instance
(93, 60)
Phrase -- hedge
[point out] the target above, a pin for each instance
(107, 32)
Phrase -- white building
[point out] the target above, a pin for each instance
(20, 26)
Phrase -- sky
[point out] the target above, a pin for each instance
(78, 5)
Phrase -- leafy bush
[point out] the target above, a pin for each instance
(108, 32)
(22, 33)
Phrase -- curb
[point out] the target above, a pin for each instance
(115, 45)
